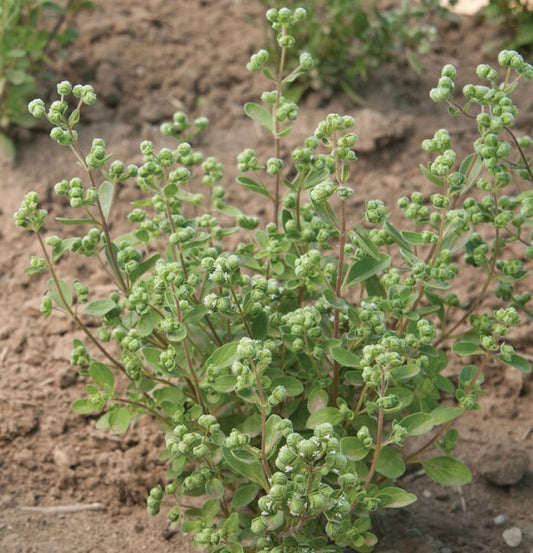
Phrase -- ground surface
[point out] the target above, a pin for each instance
(146, 59)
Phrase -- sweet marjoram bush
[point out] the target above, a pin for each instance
(296, 375)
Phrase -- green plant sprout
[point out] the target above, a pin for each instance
(349, 39)
(298, 374)
(28, 28)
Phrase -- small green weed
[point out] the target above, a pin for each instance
(27, 30)
(349, 39)
(296, 376)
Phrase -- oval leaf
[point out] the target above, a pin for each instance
(326, 414)
(447, 471)
(390, 463)
(244, 496)
(417, 423)
(394, 498)
(353, 448)
(259, 114)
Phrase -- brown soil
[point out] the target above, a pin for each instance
(146, 59)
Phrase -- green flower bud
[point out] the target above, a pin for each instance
(36, 108)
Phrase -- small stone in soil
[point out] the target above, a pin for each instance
(512, 536)
(504, 466)
(445, 550)
(500, 519)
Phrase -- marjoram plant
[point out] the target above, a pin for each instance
(298, 374)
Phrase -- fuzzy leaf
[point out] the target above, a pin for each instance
(317, 399)
(326, 414)
(447, 471)
(417, 423)
(251, 470)
(353, 448)
(244, 495)
(99, 308)
(215, 488)
(259, 114)
(344, 357)
(445, 413)
(517, 362)
(58, 297)
(102, 375)
(390, 463)
(394, 498)
(224, 356)
(119, 420)
(105, 197)
(292, 385)
(83, 407)
(466, 348)
(143, 267)
(254, 186)
(366, 267)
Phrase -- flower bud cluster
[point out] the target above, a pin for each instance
(223, 270)
(180, 123)
(74, 191)
(87, 245)
(445, 86)
(375, 212)
(28, 216)
(97, 156)
(128, 256)
(413, 207)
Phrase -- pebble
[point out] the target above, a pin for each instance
(512, 536)
(505, 465)
(445, 550)
(500, 519)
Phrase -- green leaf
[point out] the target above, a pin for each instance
(99, 308)
(405, 372)
(59, 295)
(326, 414)
(447, 471)
(366, 267)
(83, 407)
(317, 399)
(143, 267)
(251, 470)
(466, 348)
(431, 177)
(445, 413)
(210, 509)
(224, 356)
(414, 238)
(365, 243)
(83, 221)
(272, 436)
(517, 362)
(102, 375)
(353, 448)
(396, 236)
(244, 495)
(119, 420)
(293, 386)
(152, 355)
(394, 498)
(260, 325)
(417, 423)
(390, 463)
(225, 383)
(215, 488)
(344, 357)
(250, 184)
(259, 114)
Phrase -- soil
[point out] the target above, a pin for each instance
(146, 59)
